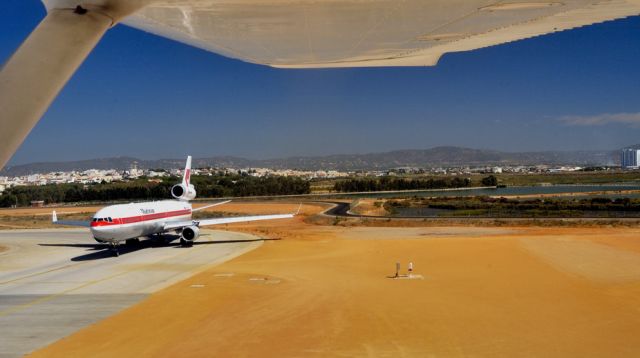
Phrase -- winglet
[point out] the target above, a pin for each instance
(299, 207)
(54, 217)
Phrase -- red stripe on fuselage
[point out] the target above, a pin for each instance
(141, 218)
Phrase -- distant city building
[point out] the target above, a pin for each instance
(630, 158)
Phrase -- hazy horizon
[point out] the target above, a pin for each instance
(296, 156)
(144, 96)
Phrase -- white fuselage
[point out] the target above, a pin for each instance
(128, 221)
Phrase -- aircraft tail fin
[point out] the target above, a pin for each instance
(187, 173)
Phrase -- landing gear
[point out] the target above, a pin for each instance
(132, 242)
(160, 239)
(185, 243)
(113, 247)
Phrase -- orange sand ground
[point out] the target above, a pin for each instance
(323, 291)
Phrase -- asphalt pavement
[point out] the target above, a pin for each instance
(55, 282)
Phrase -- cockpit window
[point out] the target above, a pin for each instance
(109, 219)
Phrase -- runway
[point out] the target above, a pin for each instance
(55, 282)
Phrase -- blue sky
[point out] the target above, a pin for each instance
(144, 96)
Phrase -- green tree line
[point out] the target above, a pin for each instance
(390, 183)
(206, 186)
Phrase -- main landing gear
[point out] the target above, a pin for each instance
(159, 239)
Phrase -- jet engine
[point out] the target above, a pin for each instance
(189, 235)
(183, 192)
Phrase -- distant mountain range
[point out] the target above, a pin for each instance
(427, 158)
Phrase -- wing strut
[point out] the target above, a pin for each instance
(38, 70)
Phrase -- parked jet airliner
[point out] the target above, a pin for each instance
(127, 222)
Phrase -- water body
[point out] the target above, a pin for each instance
(514, 190)
(613, 192)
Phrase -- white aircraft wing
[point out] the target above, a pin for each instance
(210, 206)
(54, 220)
(220, 221)
(279, 33)
(348, 33)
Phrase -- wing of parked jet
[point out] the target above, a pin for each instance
(278, 33)
(54, 220)
(220, 221)
(210, 206)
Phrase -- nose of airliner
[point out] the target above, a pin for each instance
(97, 230)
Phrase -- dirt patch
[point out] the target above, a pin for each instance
(258, 208)
(386, 233)
(47, 211)
(585, 258)
(370, 207)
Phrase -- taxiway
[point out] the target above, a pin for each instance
(55, 282)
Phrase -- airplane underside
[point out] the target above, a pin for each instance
(161, 237)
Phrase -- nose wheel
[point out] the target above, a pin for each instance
(113, 247)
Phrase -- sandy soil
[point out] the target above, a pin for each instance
(324, 291)
(368, 207)
(47, 211)
(39, 218)
(259, 208)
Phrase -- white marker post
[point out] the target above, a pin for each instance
(410, 268)
(397, 270)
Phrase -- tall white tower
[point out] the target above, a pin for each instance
(630, 158)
